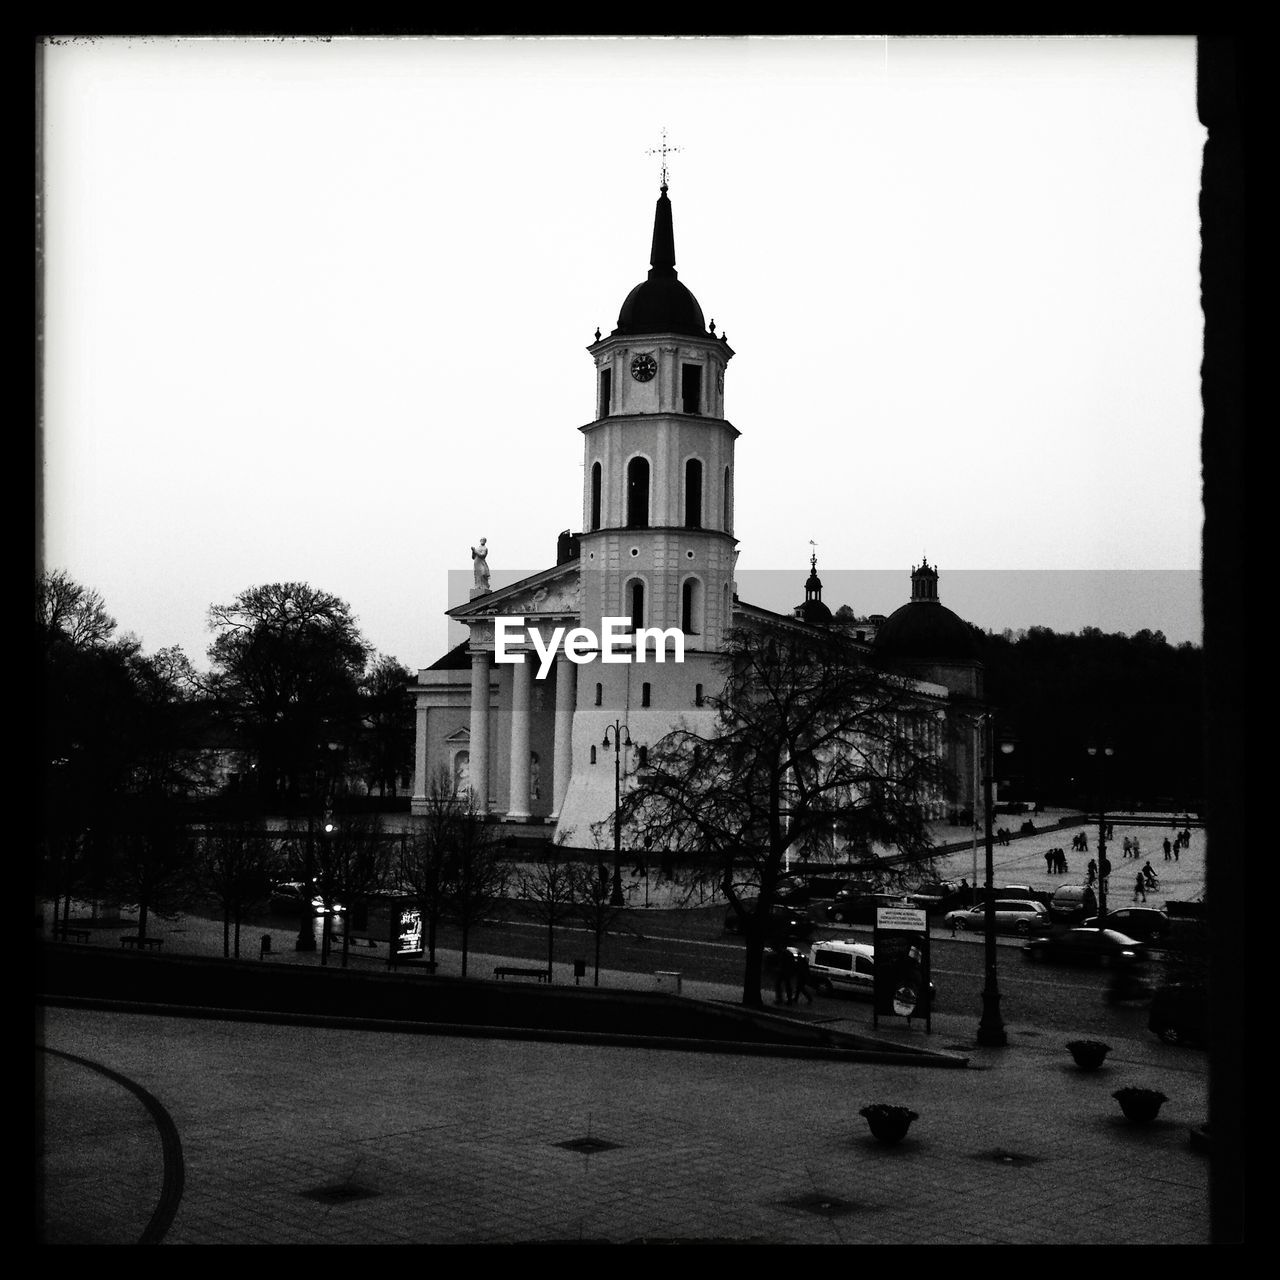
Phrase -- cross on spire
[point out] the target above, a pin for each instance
(813, 556)
(662, 151)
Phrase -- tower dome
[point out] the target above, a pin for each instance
(813, 610)
(660, 303)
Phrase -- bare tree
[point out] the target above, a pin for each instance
(810, 740)
(475, 873)
(237, 864)
(424, 856)
(551, 884)
(76, 612)
(593, 892)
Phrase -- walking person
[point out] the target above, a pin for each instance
(783, 987)
(1128, 846)
(1050, 860)
(1140, 887)
(1168, 849)
(804, 980)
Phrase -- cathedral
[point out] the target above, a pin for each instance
(544, 743)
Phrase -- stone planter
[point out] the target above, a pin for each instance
(1140, 1106)
(1088, 1054)
(888, 1122)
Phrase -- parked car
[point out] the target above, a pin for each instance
(860, 908)
(1147, 924)
(1180, 1014)
(1073, 903)
(839, 966)
(938, 895)
(1022, 892)
(803, 889)
(1012, 916)
(786, 922)
(288, 896)
(1087, 946)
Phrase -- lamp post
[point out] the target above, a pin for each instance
(991, 1030)
(973, 816)
(320, 778)
(1100, 755)
(621, 738)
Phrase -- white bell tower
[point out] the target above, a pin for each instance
(657, 544)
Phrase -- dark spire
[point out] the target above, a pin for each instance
(813, 584)
(661, 303)
(662, 254)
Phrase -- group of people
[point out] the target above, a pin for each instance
(1181, 840)
(1055, 861)
(1132, 847)
(794, 979)
(1091, 874)
(1002, 835)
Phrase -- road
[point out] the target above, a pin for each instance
(694, 944)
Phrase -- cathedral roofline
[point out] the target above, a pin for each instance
(789, 622)
(492, 603)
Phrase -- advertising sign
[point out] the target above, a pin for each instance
(902, 983)
(409, 939)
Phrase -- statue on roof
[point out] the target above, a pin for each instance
(480, 565)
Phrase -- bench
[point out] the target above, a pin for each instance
(413, 962)
(131, 941)
(68, 933)
(514, 971)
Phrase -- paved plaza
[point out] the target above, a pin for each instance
(208, 1131)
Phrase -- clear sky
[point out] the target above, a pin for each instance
(318, 310)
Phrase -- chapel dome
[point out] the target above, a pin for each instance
(924, 629)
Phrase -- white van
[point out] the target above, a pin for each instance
(843, 966)
(837, 965)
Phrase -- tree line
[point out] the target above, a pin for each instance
(1059, 694)
(135, 745)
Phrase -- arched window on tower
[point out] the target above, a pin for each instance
(693, 494)
(597, 481)
(638, 493)
(635, 603)
(606, 391)
(727, 498)
(691, 607)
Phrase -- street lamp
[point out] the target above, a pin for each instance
(621, 738)
(1100, 755)
(306, 940)
(991, 1030)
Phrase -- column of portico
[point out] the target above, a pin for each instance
(521, 687)
(420, 752)
(479, 745)
(562, 761)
